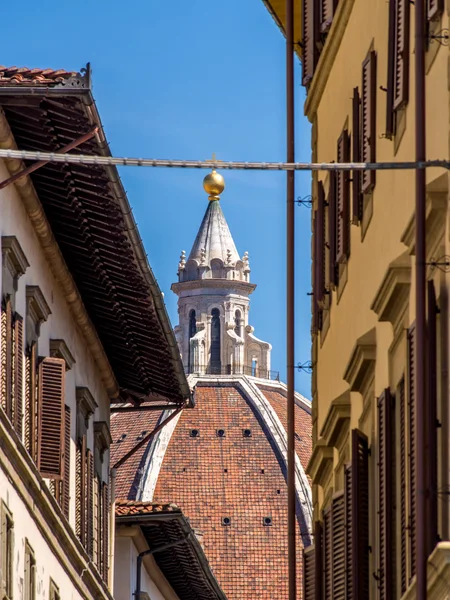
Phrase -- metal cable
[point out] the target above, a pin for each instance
(216, 164)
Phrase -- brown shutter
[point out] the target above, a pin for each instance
(368, 119)
(7, 348)
(89, 518)
(434, 9)
(343, 200)
(66, 464)
(80, 491)
(356, 158)
(432, 458)
(30, 402)
(403, 460)
(360, 514)
(320, 216)
(327, 10)
(309, 573)
(316, 275)
(105, 531)
(412, 448)
(386, 491)
(401, 54)
(318, 560)
(348, 531)
(97, 553)
(327, 554)
(390, 70)
(332, 210)
(18, 374)
(338, 546)
(51, 417)
(310, 34)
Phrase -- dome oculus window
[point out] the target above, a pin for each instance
(194, 433)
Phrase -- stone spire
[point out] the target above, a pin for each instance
(213, 292)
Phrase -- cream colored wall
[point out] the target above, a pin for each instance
(60, 325)
(126, 555)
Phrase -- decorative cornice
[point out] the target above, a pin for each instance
(320, 463)
(86, 404)
(14, 256)
(393, 294)
(362, 361)
(337, 420)
(59, 349)
(436, 206)
(102, 436)
(232, 284)
(37, 306)
(327, 57)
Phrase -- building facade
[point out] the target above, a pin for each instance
(72, 342)
(358, 69)
(224, 462)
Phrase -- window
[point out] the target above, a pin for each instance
(54, 591)
(215, 363)
(192, 332)
(29, 584)
(7, 552)
(237, 323)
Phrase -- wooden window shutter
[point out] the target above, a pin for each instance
(332, 220)
(412, 448)
(357, 205)
(327, 554)
(89, 518)
(18, 374)
(360, 515)
(7, 339)
(318, 560)
(338, 546)
(97, 524)
(105, 531)
(309, 573)
(348, 531)
(310, 35)
(320, 258)
(327, 10)
(80, 491)
(432, 420)
(386, 494)
(434, 9)
(403, 462)
(316, 276)
(401, 54)
(343, 200)
(66, 464)
(51, 417)
(368, 119)
(390, 70)
(30, 420)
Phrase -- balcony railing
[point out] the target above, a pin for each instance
(252, 370)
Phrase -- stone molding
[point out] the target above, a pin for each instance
(392, 296)
(59, 349)
(337, 421)
(362, 361)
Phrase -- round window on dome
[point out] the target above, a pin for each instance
(267, 521)
(226, 521)
(247, 433)
(194, 433)
(220, 432)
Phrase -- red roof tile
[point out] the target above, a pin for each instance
(125, 508)
(24, 76)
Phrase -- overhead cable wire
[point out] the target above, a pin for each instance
(216, 164)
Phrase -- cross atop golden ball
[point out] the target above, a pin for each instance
(214, 184)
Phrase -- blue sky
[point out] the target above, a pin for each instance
(182, 80)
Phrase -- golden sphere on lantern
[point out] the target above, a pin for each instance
(214, 184)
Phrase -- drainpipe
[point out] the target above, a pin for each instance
(421, 534)
(112, 528)
(140, 558)
(290, 296)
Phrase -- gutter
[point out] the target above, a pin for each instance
(140, 253)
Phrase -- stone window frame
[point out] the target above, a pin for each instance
(37, 313)
(86, 406)
(29, 585)
(15, 263)
(7, 552)
(102, 443)
(53, 591)
(59, 349)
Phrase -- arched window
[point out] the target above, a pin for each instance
(215, 363)
(192, 332)
(237, 323)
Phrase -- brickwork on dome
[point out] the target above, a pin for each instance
(212, 478)
(131, 425)
(303, 424)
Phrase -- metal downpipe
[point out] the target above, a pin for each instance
(420, 342)
(290, 298)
